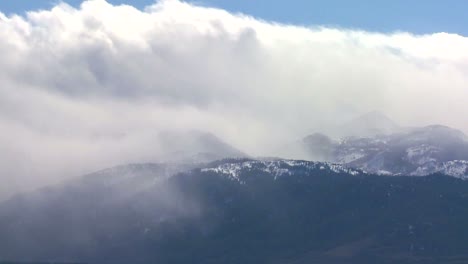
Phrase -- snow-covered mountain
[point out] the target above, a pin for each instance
(408, 151)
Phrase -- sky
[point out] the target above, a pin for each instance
(88, 87)
(418, 16)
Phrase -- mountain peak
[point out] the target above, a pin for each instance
(373, 118)
(369, 124)
(439, 132)
(195, 145)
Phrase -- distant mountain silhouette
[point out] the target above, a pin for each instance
(194, 146)
(367, 125)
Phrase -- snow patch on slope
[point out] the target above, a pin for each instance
(455, 168)
(421, 154)
(276, 168)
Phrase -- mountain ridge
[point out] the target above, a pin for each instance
(267, 211)
(414, 151)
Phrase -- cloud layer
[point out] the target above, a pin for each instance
(82, 89)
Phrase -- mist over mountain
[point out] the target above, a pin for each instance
(367, 125)
(82, 89)
(165, 145)
(183, 133)
(356, 202)
(195, 146)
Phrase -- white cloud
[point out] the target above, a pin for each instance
(81, 89)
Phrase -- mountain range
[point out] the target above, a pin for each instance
(386, 148)
(239, 211)
(344, 200)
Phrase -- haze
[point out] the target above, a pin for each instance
(88, 88)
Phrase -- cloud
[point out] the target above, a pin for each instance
(81, 89)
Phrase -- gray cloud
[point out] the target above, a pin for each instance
(82, 89)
